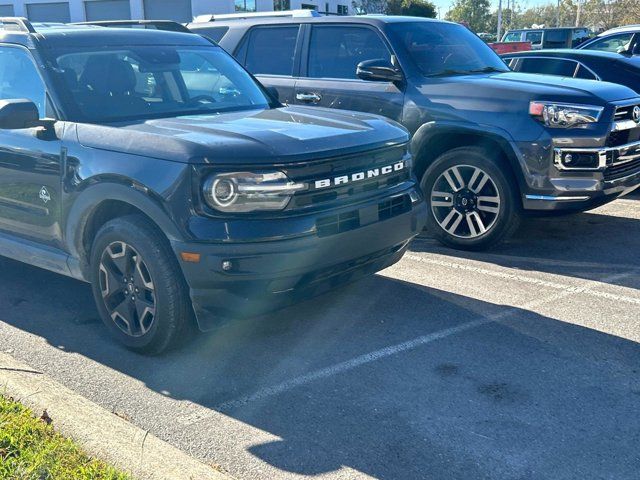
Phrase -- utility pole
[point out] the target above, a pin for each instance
(499, 32)
(578, 11)
(558, 16)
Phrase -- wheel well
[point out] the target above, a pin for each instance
(100, 215)
(443, 142)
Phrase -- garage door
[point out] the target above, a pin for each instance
(48, 12)
(6, 11)
(107, 10)
(178, 10)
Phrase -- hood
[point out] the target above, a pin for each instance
(280, 135)
(525, 87)
(502, 99)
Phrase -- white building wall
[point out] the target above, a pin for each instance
(77, 12)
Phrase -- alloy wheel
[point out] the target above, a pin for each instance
(465, 201)
(127, 289)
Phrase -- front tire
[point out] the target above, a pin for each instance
(473, 203)
(137, 284)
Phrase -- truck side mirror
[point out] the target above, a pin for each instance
(18, 113)
(380, 70)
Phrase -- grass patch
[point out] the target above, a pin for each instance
(30, 449)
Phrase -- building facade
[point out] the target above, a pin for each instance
(179, 10)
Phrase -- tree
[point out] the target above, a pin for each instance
(415, 8)
(474, 13)
(370, 6)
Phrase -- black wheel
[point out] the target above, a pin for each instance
(473, 203)
(139, 289)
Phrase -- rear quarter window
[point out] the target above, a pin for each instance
(214, 33)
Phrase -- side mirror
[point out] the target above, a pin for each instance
(18, 113)
(379, 70)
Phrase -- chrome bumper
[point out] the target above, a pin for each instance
(607, 156)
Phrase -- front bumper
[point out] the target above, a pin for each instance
(617, 173)
(249, 278)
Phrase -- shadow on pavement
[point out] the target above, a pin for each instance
(524, 397)
(585, 245)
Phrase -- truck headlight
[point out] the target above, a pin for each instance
(239, 192)
(561, 115)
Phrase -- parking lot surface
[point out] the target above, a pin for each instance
(518, 363)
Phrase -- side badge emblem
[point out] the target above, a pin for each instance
(44, 195)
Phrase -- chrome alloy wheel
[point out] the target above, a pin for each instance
(127, 289)
(465, 201)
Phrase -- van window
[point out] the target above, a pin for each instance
(534, 37)
(270, 50)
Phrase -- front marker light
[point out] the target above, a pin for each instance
(561, 115)
(241, 192)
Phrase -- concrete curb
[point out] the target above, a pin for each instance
(100, 432)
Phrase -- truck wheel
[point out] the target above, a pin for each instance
(473, 202)
(139, 289)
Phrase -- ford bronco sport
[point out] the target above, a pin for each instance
(151, 164)
(490, 145)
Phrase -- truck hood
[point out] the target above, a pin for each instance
(492, 91)
(282, 135)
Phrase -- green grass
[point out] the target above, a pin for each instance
(31, 450)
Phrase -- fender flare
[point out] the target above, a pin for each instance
(86, 203)
(429, 130)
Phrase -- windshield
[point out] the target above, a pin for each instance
(444, 48)
(130, 83)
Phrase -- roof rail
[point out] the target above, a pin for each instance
(167, 25)
(304, 13)
(16, 24)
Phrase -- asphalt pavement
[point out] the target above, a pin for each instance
(518, 363)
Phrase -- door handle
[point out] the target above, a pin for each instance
(308, 97)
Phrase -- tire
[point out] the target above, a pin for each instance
(134, 272)
(475, 208)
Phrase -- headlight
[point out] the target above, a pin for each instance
(559, 115)
(239, 192)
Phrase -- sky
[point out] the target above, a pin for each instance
(445, 5)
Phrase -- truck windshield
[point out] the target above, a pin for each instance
(111, 84)
(441, 49)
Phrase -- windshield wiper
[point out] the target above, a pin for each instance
(451, 71)
(488, 70)
(448, 71)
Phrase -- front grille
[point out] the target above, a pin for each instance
(346, 166)
(621, 137)
(614, 172)
(334, 224)
(624, 113)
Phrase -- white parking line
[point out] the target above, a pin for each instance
(200, 414)
(526, 279)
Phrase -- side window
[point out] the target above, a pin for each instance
(611, 43)
(214, 34)
(534, 37)
(585, 73)
(549, 66)
(512, 37)
(270, 50)
(19, 78)
(336, 51)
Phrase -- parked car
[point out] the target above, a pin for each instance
(490, 145)
(549, 37)
(588, 64)
(152, 165)
(510, 47)
(620, 40)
